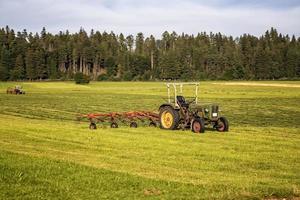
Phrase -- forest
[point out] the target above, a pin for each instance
(114, 57)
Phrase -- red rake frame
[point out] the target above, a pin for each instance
(131, 118)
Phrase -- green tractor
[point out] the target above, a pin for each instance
(179, 113)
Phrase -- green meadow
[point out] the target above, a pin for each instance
(46, 154)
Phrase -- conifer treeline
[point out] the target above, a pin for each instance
(107, 56)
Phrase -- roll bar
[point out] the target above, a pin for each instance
(175, 85)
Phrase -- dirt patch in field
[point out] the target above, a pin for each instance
(274, 198)
(262, 84)
(152, 191)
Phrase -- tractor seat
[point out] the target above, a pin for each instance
(181, 101)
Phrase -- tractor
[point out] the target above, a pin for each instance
(16, 90)
(178, 113)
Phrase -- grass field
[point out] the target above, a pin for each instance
(46, 154)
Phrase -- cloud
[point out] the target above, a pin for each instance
(230, 17)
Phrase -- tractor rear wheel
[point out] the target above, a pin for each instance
(169, 118)
(222, 124)
(198, 125)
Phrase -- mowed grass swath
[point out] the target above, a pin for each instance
(46, 153)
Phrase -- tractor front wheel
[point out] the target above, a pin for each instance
(222, 124)
(198, 125)
(169, 118)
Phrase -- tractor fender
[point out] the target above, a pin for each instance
(167, 105)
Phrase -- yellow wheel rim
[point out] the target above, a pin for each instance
(166, 119)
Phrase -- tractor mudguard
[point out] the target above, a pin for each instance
(168, 104)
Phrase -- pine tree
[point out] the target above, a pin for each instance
(139, 44)
(170, 66)
(129, 42)
(52, 67)
(30, 66)
(4, 64)
(40, 64)
(18, 72)
(111, 67)
(263, 63)
(292, 62)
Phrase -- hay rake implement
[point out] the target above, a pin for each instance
(115, 118)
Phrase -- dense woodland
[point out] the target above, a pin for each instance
(108, 56)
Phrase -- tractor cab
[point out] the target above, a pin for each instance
(16, 90)
(181, 113)
(179, 98)
(19, 89)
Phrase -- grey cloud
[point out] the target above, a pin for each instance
(150, 17)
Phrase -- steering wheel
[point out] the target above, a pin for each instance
(192, 101)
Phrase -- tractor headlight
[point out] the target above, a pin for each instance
(215, 114)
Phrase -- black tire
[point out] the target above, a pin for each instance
(164, 123)
(93, 126)
(133, 125)
(222, 124)
(114, 125)
(198, 125)
(152, 124)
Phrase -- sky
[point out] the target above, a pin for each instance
(230, 17)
